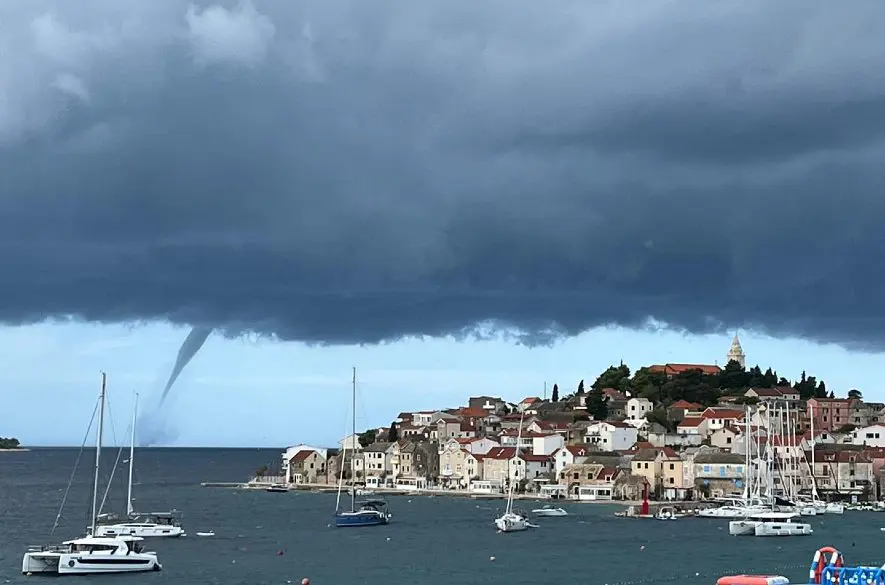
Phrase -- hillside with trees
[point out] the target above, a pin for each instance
(692, 386)
(10, 443)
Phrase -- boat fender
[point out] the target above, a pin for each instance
(821, 562)
(71, 563)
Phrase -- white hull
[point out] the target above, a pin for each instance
(511, 523)
(87, 564)
(730, 512)
(807, 511)
(91, 556)
(783, 529)
(742, 527)
(549, 512)
(144, 530)
(834, 508)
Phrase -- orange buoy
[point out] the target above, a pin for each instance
(753, 580)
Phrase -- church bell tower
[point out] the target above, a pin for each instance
(736, 352)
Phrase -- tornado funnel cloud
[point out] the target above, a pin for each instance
(192, 344)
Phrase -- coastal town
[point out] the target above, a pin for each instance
(675, 431)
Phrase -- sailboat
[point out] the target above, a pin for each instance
(92, 554)
(369, 512)
(145, 525)
(513, 520)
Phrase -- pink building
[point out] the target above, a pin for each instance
(829, 414)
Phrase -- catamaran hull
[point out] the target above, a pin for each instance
(355, 519)
(742, 527)
(87, 564)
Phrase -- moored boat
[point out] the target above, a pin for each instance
(91, 555)
(549, 511)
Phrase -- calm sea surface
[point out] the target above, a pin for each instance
(430, 541)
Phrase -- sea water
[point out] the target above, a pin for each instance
(280, 538)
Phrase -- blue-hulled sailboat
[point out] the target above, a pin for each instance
(368, 512)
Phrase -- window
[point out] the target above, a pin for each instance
(672, 466)
(672, 480)
(706, 469)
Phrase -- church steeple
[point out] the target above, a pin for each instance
(736, 352)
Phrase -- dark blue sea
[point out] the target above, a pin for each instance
(431, 541)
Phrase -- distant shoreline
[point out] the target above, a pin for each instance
(13, 450)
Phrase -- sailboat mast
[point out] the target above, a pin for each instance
(129, 508)
(813, 448)
(516, 459)
(747, 455)
(98, 452)
(353, 434)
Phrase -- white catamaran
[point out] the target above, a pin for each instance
(91, 555)
(145, 525)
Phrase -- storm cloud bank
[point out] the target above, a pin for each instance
(357, 172)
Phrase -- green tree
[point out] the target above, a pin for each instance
(853, 393)
(367, 438)
(660, 416)
(617, 377)
(261, 471)
(393, 432)
(597, 404)
(769, 379)
(648, 384)
(580, 389)
(755, 377)
(555, 396)
(9, 443)
(733, 377)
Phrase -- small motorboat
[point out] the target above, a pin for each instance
(667, 513)
(277, 487)
(210, 533)
(549, 511)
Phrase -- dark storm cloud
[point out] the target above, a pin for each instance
(338, 172)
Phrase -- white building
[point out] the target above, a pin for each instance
(637, 408)
(569, 456)
(872, 436)
(377, 459)
(474, 446)
(350, 443)
(291, 452)
(545, 444)
(611, 436)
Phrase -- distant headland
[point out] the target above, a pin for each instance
(10, 444)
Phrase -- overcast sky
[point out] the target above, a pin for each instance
(342, 173)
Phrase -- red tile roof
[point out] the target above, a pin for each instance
(686, 405)
(726, 413)
(608, 472)
(501, 453)
(530, 457)
(690, 422)
(530, 400)
(302, 456)
(674, 369)
(575, 450)
(473, 412)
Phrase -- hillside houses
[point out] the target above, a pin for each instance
(689, 445)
